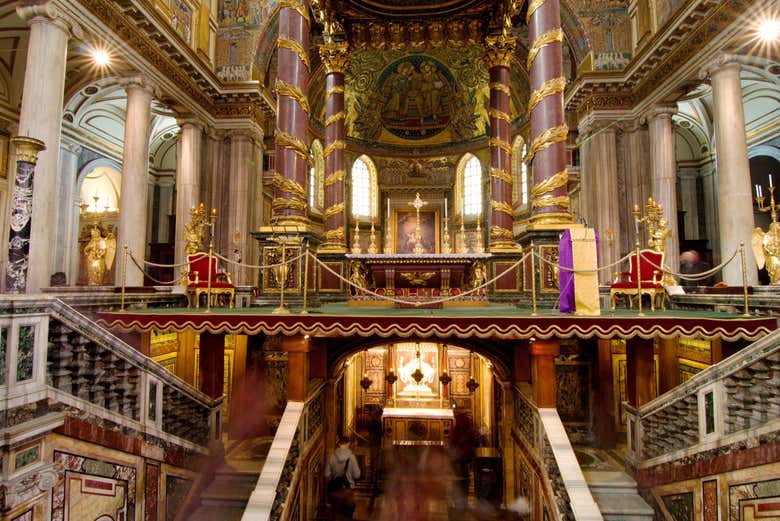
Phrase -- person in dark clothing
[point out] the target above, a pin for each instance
(463, 445)
(342, 464)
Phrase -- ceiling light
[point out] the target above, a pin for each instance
(101, 57)
(769, 30)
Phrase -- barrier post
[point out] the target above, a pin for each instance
(638, 279)
(305, 311)
(533, 279)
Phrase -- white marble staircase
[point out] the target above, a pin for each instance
(225, 498)
(616, 496)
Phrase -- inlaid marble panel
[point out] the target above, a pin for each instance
(26, 351)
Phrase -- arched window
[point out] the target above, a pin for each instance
(472, 187)
(364, 188)
(316, 173)
(520, 187)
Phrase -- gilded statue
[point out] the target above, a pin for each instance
(766, 248)
(478, 274)
(659, 234)
(99, 252)
(357, 276)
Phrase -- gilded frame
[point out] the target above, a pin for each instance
(404, 222)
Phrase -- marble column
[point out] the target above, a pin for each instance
(27, 150)
(242, 167)
(211, 364)
(66, 247)
(640, 371)
(543, 353)
(734, 191)
(634, 156)
(709, 184)
(217, 174)
(499, 50)
(550, 196)
(689, 201)
(599, 168)
(187, 180)
(292, 119)
(40, 117)
(256, 202)
(663, 171)
(135, 168)
(335, 56)
(165, 208)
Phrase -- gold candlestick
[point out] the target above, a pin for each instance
(356, 240)
(388, 240)
(372, 249)
(445, 244)
(479, 247)
(417, 204)
(462, 246)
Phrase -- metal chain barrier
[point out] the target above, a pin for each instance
(596, 270)
(259, 266)
(696, 276)
(414, 302)
(146, 274)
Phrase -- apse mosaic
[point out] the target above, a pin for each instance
(437, 97)
(607, 26)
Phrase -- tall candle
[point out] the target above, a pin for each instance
(770, 181)
(445, 207)
(388, 209)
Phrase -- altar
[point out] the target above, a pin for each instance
(424, 275)
(409, 424)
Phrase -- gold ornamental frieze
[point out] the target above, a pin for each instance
(548, 88)
(293, 91)
(502, 206)
(546, 139)
(334, 90)
(417, 278)
(333, 210)
(546, 201)
(337, 234)
(284, 184)
(296, 47)
(339, 144)
(500, 143)
(533, 5)
(292, 203)
(499, 173)
(498, 232)
(335, 177)
(500, 114)
(494, 85)
(290, 142)
(297, 6)
(338, 116)
(544, 39)
(552, 183)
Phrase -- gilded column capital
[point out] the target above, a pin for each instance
(53, 14)
(499, 49)
(335, 56)
(27, 148)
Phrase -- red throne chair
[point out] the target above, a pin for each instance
(650, 280)
(198, 274)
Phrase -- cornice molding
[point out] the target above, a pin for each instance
(657, 61)
(54, 13)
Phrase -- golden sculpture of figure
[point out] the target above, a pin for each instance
(357, 276)
(659, 235)
(99, 252)
(192, 238)
(478, 274)
(766, 248)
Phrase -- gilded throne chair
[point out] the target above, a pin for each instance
(199, 271)
(646, 280)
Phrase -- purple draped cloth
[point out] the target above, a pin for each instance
(566, 277)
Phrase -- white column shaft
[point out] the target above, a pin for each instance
(663, 168)
(604, 162)
(689, 200)
(67, 212)
(734, 196)
(187, 182)
(41, 118)
(135, 166)
(241, 161)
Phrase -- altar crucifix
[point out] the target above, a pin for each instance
(418, 203)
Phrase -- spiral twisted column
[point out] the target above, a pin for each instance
(292, 114)
(499, 51)
(335, 56)
(549, 197)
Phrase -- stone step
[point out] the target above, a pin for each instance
(624, 507)
(609, 481)
(217, 513)
(232, 487)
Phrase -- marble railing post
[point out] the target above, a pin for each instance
(187, 179)
(736, 223)
(27, 150)
(135, 168)
(550, 196)
(663, 172)
(335, 56)
(40, 117)
(292, 117)
(499, 50)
